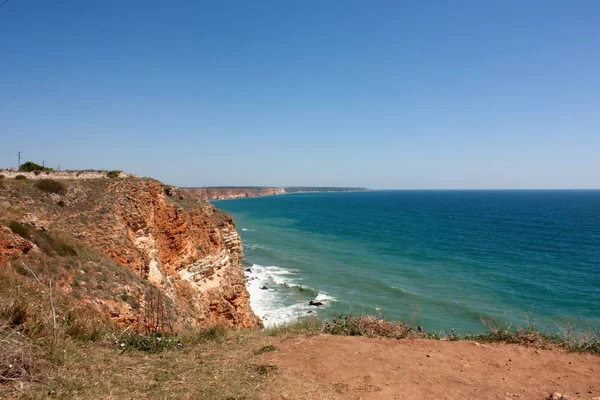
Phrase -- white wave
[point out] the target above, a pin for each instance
(268, 303)
(324, 297)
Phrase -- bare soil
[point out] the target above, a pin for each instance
(249, 365)
(338, 367)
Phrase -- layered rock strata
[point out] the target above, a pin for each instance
(184, 247)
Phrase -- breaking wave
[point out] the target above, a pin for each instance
(277, 297)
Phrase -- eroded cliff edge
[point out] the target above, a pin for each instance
(182, 255)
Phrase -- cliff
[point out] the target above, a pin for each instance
(144, 253)
(233, 193)
(223, 193)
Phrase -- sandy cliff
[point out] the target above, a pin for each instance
(185, 248)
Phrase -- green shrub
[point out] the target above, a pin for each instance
(51, 186)
(20, 229)
(113, 174)
(44, 240)
(153, 343)
(30, 166)
(20, 177)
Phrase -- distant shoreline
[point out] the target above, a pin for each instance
(243, 192)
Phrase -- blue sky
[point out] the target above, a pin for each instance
(383, 94)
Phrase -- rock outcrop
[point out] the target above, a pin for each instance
(12, 244)
(182, 246)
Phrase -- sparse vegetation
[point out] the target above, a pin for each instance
(51, 186)
(265, 349)
(366, 325)
(569, 338)
(20, 177)
(113, 174)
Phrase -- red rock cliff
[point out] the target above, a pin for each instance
(189, 250)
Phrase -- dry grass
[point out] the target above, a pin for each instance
(347, 325)
(226, 368)
(28, 343)
(20, 360)
(569, 336)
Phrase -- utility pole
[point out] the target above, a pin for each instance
(43, 163)
(19, 157)
(58, 169)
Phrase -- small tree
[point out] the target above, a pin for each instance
(30, 166)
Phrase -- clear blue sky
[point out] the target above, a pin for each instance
(383, 94)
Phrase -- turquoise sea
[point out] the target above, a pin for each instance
(453, 257)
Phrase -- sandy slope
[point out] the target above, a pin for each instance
(336, 367)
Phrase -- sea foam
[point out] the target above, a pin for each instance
(277, 298)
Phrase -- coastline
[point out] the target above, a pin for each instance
(277, 297)
(232, 193)
(375, 260)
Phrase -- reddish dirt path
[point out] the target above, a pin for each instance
(336, 367)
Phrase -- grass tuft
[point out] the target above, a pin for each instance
(308, 326)
(366, 325)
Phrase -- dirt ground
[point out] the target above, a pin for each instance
(337, 367)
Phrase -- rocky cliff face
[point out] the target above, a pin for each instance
(185, 248)
(233, 193)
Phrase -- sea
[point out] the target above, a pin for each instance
(441, 259)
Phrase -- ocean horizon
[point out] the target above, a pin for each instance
(445, 259)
